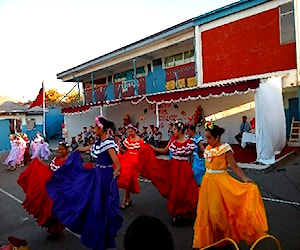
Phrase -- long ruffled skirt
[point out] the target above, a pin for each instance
(129, 173)
(33, 182)
(87, 202)
(228, 208)
(173, 179)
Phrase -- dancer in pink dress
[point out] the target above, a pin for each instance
(10, 161)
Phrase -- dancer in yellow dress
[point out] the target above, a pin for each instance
(226, 206)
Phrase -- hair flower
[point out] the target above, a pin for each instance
(209, 124)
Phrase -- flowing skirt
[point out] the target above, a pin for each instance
(228, 208)
(173, 179)
(87, 202)
(33, 182)
(12, 156)
(41, 150)
(129, 173)
(198, 168)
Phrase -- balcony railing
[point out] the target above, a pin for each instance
(181, 76)
(178, 77)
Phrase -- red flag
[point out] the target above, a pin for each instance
(38, 100)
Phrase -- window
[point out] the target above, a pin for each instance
(189, 56)
(287, 23)
(30, 124)
(169, 61)
(157, 62)
(140, 71)
(178, 59)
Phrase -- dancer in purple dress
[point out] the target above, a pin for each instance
(87, 200)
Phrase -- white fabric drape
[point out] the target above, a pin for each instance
(270, 125)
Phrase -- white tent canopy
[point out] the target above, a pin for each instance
(270, 120)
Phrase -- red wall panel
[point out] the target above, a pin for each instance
(246, 47)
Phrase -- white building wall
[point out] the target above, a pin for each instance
(75, 122)
(38, 119)
(22, 117)
(185, 109)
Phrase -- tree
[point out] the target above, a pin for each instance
(72, 97)
(53, 96)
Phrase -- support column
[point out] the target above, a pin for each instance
(93, 88)
(157, 115)
(135, 84)
(198, 56)
(79, 101)
(297, 36)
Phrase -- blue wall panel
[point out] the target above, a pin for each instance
(4, 136)
(156, 81)
(110, 95)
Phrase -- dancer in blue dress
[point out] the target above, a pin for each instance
(87, 200)
(198, 162)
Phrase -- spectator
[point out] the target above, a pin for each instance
(74, 143)
(148, 233)
(80, 141)
(170, 130)
(151, 136)
(144, 135)
(157, 137)
(123, 132)
(85, 136)
(244, 127)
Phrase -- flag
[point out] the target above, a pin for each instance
(39, 99)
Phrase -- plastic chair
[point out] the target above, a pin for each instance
(265, 237)
(222, 241)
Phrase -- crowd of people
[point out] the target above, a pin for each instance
(194, 181)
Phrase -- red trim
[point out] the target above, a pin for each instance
(78, 109)
(201, 93)
(177, 96)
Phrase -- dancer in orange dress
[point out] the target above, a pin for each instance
(128, 179)
(226, 206)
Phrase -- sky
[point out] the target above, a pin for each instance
(41, 38)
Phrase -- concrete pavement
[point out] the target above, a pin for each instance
(280, 189)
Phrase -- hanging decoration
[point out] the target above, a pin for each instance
(198, 116)
(183, 112)
(145, 111)
(175, 106)
(142, 117)
(127, 120)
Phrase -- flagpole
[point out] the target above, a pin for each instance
(44, 117)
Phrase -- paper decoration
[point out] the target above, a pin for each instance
(170, 85)
(191, 82)
(181, 83)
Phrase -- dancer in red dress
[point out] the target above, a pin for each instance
(173, 178)
(37, 201)
(128, 179)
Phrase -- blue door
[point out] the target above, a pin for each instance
(293, 111)
(4, 136)
(294, 108)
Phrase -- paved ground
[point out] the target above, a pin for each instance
(280, 185)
